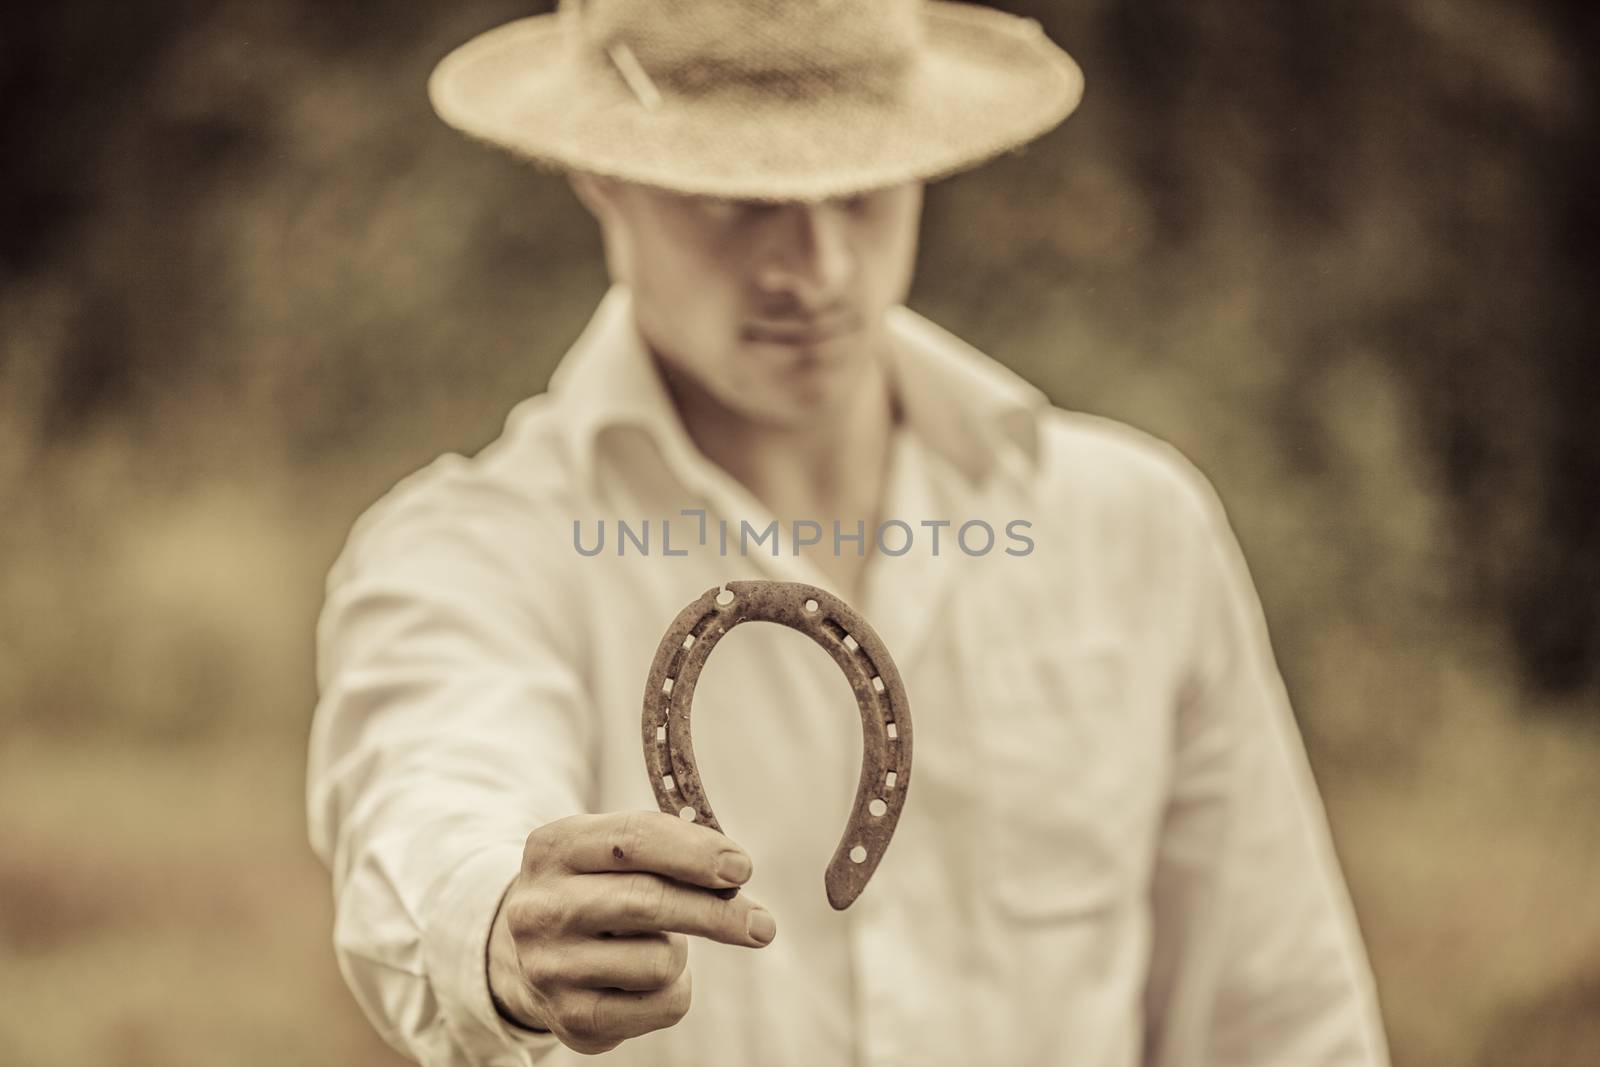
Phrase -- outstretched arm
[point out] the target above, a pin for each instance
(451, 722)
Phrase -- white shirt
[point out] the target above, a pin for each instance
(1112, 851)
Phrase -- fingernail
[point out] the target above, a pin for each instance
(734, 867)
(762, 926)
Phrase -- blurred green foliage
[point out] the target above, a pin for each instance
(1338, 252)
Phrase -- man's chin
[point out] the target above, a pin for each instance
(805, 382)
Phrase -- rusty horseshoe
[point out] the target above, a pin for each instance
(871, 672)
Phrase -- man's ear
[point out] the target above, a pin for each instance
(599, 196)
(595, 193)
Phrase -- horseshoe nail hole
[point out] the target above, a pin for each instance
(687, 814)
(666, 783)
(850, 643)
(725, 597)
(877, 807)
(894, 732)
(811, 606)
(661, 733)
(688, 641)
(666, 686)
(877, 683)
(889, 780)
(858, 855)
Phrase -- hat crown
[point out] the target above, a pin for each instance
(770, 100)
(691, 45)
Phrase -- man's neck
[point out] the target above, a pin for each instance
(832, 468)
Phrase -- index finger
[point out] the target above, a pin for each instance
(654, 842)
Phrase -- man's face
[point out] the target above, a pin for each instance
(773, 310)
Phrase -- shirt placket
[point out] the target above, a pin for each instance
(905, 598)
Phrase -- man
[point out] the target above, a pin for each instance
(1113, 852)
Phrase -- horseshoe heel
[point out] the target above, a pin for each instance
(871, 672)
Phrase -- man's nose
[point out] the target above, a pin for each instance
(811, 259)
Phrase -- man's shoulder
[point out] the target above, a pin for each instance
(515, 487)
(1133, 501)
(1091, 459)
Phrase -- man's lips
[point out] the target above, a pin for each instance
(798, 331)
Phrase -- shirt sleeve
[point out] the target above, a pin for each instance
(451, 722)
(1256, 955)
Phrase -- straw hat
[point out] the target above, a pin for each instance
(759, 99)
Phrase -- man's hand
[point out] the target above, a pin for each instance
(589, 942)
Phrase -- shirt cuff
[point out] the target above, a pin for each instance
(456, 948)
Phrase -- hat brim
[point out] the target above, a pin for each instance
(986, 82)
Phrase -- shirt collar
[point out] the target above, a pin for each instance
(964, 405)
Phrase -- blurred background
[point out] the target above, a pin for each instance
(1338, 251)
